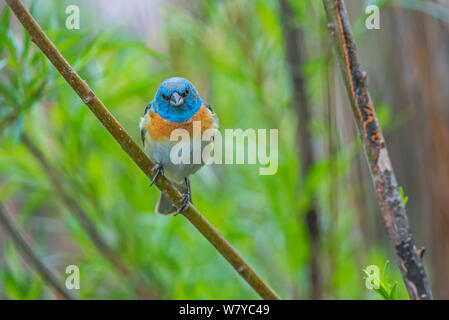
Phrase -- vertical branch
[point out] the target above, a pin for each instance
(294, 39)
(332, 154)
(392, 208)
(21, 242)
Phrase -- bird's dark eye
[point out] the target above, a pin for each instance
(164, 96)
(186, 93)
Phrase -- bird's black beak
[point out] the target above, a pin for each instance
(176, 100)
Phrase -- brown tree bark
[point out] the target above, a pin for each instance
(382, 173)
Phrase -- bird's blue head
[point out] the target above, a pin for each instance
(177, 100)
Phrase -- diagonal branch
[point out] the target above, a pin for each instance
(388, 196)
(137, 155)
(20, 240)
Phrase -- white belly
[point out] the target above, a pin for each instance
(160, 152)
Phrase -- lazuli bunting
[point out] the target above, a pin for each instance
(176, 105)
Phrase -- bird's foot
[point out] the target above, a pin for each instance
(159, 169)
(186, 199)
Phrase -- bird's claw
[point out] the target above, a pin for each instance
(159, 170)
(186, 199)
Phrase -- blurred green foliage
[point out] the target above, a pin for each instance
(238, 64)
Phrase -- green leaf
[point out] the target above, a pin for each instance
(404, 198)
(4, 24)
(386, 290)
(17, 129)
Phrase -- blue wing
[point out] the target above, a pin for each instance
(208, 106)
(148, 108)
(143, 130)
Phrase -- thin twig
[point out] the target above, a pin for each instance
(392, 208)
(31, 256)
(87, 224)
(132, 149)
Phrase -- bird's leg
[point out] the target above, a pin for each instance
(186, 198)
(188, 190)
(159, 170)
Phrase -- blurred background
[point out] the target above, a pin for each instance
(309, 230)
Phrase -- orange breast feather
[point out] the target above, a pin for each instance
(160, 129)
